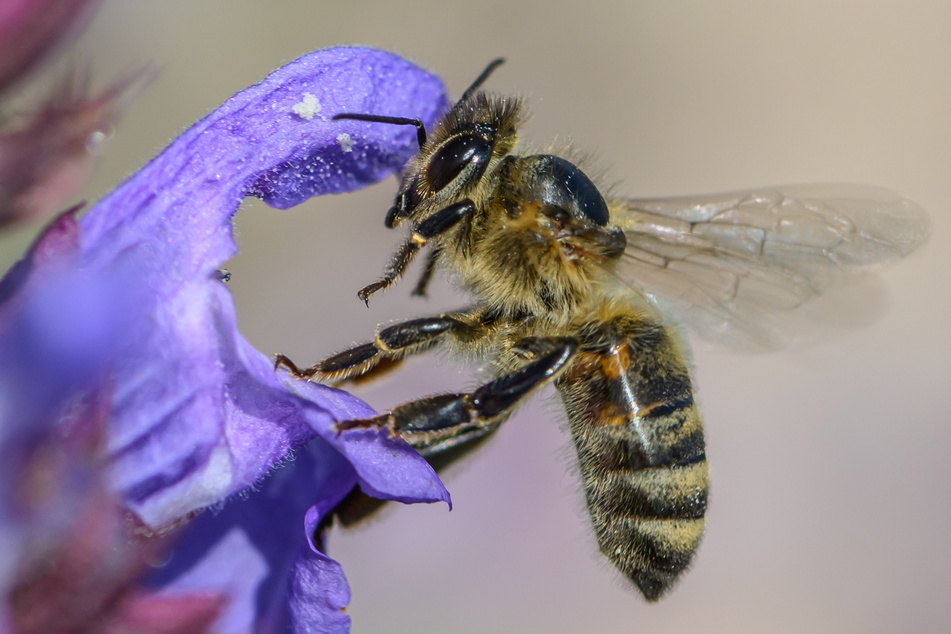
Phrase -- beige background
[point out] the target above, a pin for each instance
(831, 506)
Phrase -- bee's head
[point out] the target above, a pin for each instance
(475, 135)
(452, 162)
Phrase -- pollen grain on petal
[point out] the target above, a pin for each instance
(345, 141)
(308, 107)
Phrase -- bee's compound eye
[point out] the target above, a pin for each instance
(575, 191)
(559, 184)
(453, 157)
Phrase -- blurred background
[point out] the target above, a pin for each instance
(830, 503)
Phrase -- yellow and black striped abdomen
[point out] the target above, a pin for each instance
(640, 449)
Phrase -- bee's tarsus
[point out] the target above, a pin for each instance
(384, 421)
(391, 345)
(433, 226)
(364, 293)
(281, 360)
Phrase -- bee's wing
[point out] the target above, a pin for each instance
(733, 265)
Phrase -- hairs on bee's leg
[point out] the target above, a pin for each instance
(444, 421)
(390, 346)
(434, 225)
(446, 427)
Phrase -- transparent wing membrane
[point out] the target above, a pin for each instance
(736, 266)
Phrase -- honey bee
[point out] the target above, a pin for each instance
(574, 289)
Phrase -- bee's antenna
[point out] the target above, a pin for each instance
(495, 63)
(420, 128)
(379, 118)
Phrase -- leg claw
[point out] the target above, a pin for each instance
(284, 361)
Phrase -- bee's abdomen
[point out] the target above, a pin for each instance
(641, 450)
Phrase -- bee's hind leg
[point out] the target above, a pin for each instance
(437, 423)
(446, 427)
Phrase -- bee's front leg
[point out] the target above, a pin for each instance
(433, 226)
(423, 284)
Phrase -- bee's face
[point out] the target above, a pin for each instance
(449, 171)
(470, 141)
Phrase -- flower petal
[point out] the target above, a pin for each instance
(201, 414)
(198, 414)
(251, 549)
(195, 414)
(382, 466)
(318, 592)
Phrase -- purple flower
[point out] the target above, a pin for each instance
(195, 414)
(65, 561)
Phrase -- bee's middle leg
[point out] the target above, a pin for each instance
(445, 421)
(388, 348)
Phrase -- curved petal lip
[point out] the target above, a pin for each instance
(198, 414)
